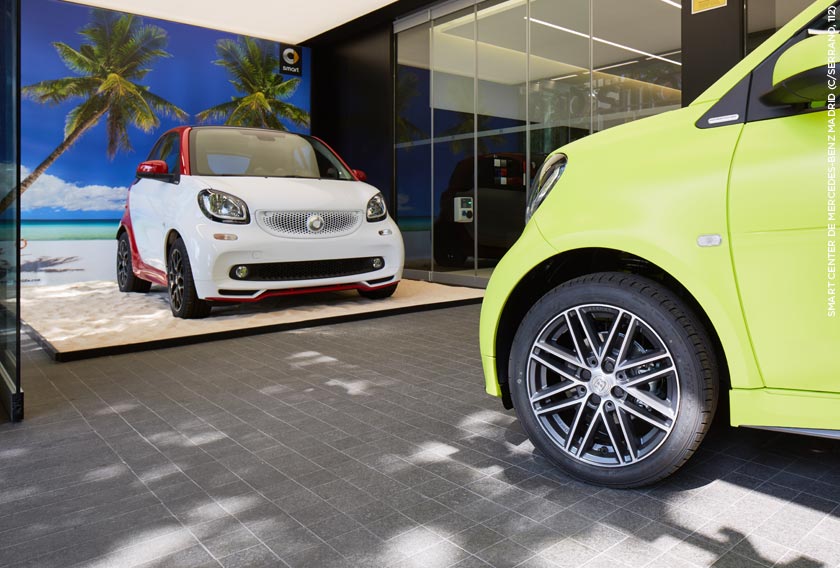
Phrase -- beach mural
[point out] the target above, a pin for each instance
(99, 88)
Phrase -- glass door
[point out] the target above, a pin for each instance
(453, 142)
(10, 392)
(502, 165)
(413, 148)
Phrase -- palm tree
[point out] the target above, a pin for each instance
(407, 91)
(254, 67)
(465, 126)
(116, 53)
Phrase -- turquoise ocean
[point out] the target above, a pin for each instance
(69, 230)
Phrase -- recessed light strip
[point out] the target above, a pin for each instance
(616, 65)
(605, 41)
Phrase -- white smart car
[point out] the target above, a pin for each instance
(223, 214)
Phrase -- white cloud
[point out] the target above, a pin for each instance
(53, 192)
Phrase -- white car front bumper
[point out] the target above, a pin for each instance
(267, 256)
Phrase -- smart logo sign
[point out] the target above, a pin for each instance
(291, 60)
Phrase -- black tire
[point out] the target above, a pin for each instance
(183, 300)
(379, 293)
(643, 429)
(126, 279)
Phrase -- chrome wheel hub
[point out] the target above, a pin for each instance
(603, 385)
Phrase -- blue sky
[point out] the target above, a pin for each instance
(188, 79)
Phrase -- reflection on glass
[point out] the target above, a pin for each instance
(559, 106)
(637, 70)
(9, 305)
(764, 17)
(502, 163)
(453, 99)
(413, 125)
(499, 86)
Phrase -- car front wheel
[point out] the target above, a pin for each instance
(126, 279)
(614, 379)
(183, 299)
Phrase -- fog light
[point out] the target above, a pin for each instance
(385, 232)
(241, 271)
(224, 237)
(378, 263)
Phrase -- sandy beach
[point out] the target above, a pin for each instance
(49, 263)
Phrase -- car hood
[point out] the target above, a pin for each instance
(293, 194)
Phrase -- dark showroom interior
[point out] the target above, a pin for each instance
(320, 427)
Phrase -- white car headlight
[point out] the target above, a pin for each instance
(544, 182)
(223, 207)
(376, 210)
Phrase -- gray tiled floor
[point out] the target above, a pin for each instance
(366, 444)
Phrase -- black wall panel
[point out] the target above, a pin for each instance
(712, 43)
(352, 102)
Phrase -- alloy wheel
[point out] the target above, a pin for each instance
(123, 262)
(603, 385)
(175, 277)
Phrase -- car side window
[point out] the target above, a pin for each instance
(171, 153)
(168, 149)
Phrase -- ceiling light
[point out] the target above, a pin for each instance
(604, 41)
(617, 65)
(567, 76)
(676, 51)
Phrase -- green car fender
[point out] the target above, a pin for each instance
(681, 169)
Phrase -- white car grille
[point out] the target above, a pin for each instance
(309, 224)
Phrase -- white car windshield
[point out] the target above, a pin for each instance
(251, 152)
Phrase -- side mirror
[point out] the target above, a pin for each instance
(155, 169)
(360, 175)
(800, 74)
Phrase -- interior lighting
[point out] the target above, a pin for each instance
(604, 41)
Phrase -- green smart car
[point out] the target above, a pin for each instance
(673, 259)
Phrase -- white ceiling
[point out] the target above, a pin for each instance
(279, 20)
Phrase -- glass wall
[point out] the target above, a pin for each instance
(10, 393)
(485, 90)
(453, 138)
(413, 152)
(637, 69)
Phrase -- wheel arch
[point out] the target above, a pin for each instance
(171, 236)
(571, 264)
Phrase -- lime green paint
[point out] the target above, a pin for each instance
(746, 65)
(491, 385)
(785, 408)
(804, 56)
(655, 161)
(664, 187)
(652, 187)
(778, 233)
(530, 250)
